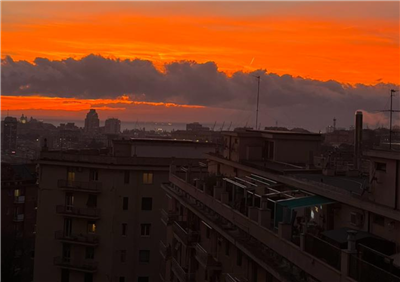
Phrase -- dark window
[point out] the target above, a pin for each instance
(69, 201)
(88, 277)
(67, 227)
(144, 255)
(89, 253)
(125, 202)
(92, 201)
(380, 166)
(122, 279)
(124, 229)
(208, 232)
(94, 175)
(126, 176)
(143, 279)
(147, 204)
(227, 248)
(123, 256)
(239, 258)
(64, 275)
(380, 220)
(145, 229)
(66, 251)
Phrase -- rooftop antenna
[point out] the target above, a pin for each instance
(258, 96)
(391, 111)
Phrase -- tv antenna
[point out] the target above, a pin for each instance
(258, 97)
(391, 111)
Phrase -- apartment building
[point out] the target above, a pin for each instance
(99, 210)
(18, 221)
(263, 211)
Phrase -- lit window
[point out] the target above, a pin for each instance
(17, 193)
(147, 178)
(91, 227)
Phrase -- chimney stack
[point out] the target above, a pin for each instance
(358, 140)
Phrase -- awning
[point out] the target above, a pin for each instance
(303, 202)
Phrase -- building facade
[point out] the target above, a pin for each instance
(9, 135)
(112, 126)
(99, 210)
(92, 122)
(262, 211)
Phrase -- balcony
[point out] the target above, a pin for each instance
(80, 186)
(182, 274)
(80, 239)
(19, 199)
(165, 250)
(88, 213)
(206, 259)
(84, 265)
(19, 218)
(229, 277)
(185, 234)
(168, 217)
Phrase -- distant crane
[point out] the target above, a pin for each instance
(229, 127)
(391, 111)
(215, 123)
(222, 127)
(258, 97)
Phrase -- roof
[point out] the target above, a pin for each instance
(384, 154)
(305, 202)
(158, 141)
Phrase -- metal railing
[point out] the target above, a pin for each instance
(323, 250)
(168, 217)
(165, 250)
(229, 277)
(363, 271)
(92, 186)
(187, 236)
(182, 274)
(90, 239)
(84, 265)
(79, 212)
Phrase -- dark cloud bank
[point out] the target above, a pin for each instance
(303, 100)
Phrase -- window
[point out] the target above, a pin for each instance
(125, 202)
(88, 277)
(124, 229)
(121, 279)
(91, 227)
(67, 227)
(144, 256)
(89, 253)
(64, 275)
(126, 176)
(227, 248)
(66, 251)
(71, 174)
(239, 258)
(148, 178)
(69, 201)
(147, 204)
(380, 166)
(123, 256)
(145, 229)
(17, 193)
(91, 201)
(143, 279)
(94, 175)
(380, 220)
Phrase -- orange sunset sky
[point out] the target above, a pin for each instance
(350, 43)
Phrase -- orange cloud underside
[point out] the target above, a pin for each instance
(346, 51)
(20, 103)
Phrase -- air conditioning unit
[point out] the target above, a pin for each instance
(356, 219)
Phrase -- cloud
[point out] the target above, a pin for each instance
(294, 100)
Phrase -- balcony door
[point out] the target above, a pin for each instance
(69, 201)
(67, 227)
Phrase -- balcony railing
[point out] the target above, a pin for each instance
(82, 239)
(363, 271)
(323, 250)
(206, 259)
(19, 199)
(84, 265)
(168, 217)
(19, 217)
(84, 186)
(165, 250)
(229, 277)
(182, 274)
(187, 236)
(91, 213)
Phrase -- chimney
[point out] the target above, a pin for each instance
(358, 140)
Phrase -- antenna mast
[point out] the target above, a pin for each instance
(391, 111)
(258, 98)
